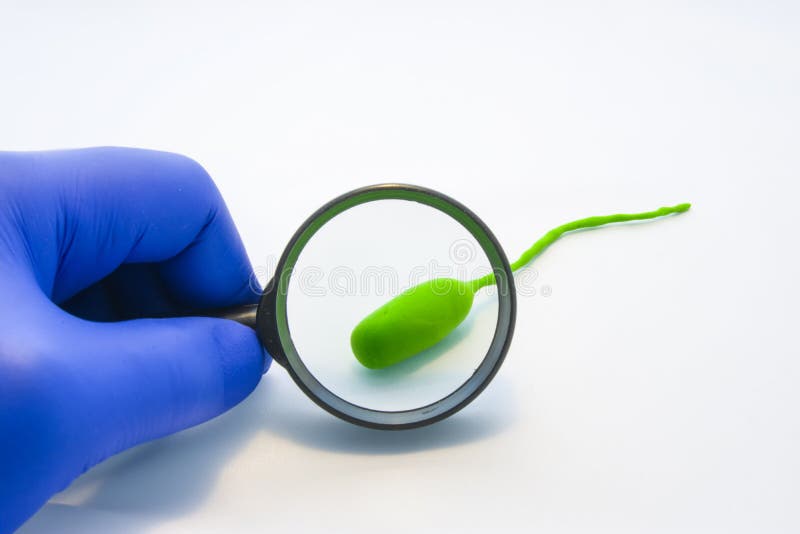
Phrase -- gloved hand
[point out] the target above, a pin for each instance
(91, 242)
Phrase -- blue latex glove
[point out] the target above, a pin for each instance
(92, 241)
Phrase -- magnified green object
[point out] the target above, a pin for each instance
(396, 338)
(425, 314)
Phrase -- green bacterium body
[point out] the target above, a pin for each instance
(411, 322)
(425, 314)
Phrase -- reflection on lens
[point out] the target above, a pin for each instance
(417, 347)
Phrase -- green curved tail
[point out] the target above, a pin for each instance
(589, 222)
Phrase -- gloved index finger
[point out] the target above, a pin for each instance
(117, 205)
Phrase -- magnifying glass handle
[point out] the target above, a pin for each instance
(263, 321)
(245, 315)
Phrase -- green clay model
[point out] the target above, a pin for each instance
(425, 314)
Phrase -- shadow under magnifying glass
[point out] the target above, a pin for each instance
(174, 475)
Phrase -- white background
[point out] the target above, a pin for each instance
(655, 390)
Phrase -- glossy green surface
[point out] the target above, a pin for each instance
(425, 314)
(416, 319)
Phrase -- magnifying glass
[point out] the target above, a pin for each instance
(348, 259)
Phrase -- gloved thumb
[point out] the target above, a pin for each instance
(147, 378)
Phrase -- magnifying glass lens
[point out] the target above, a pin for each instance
(363, 258)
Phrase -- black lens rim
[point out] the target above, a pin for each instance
(272, 323)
